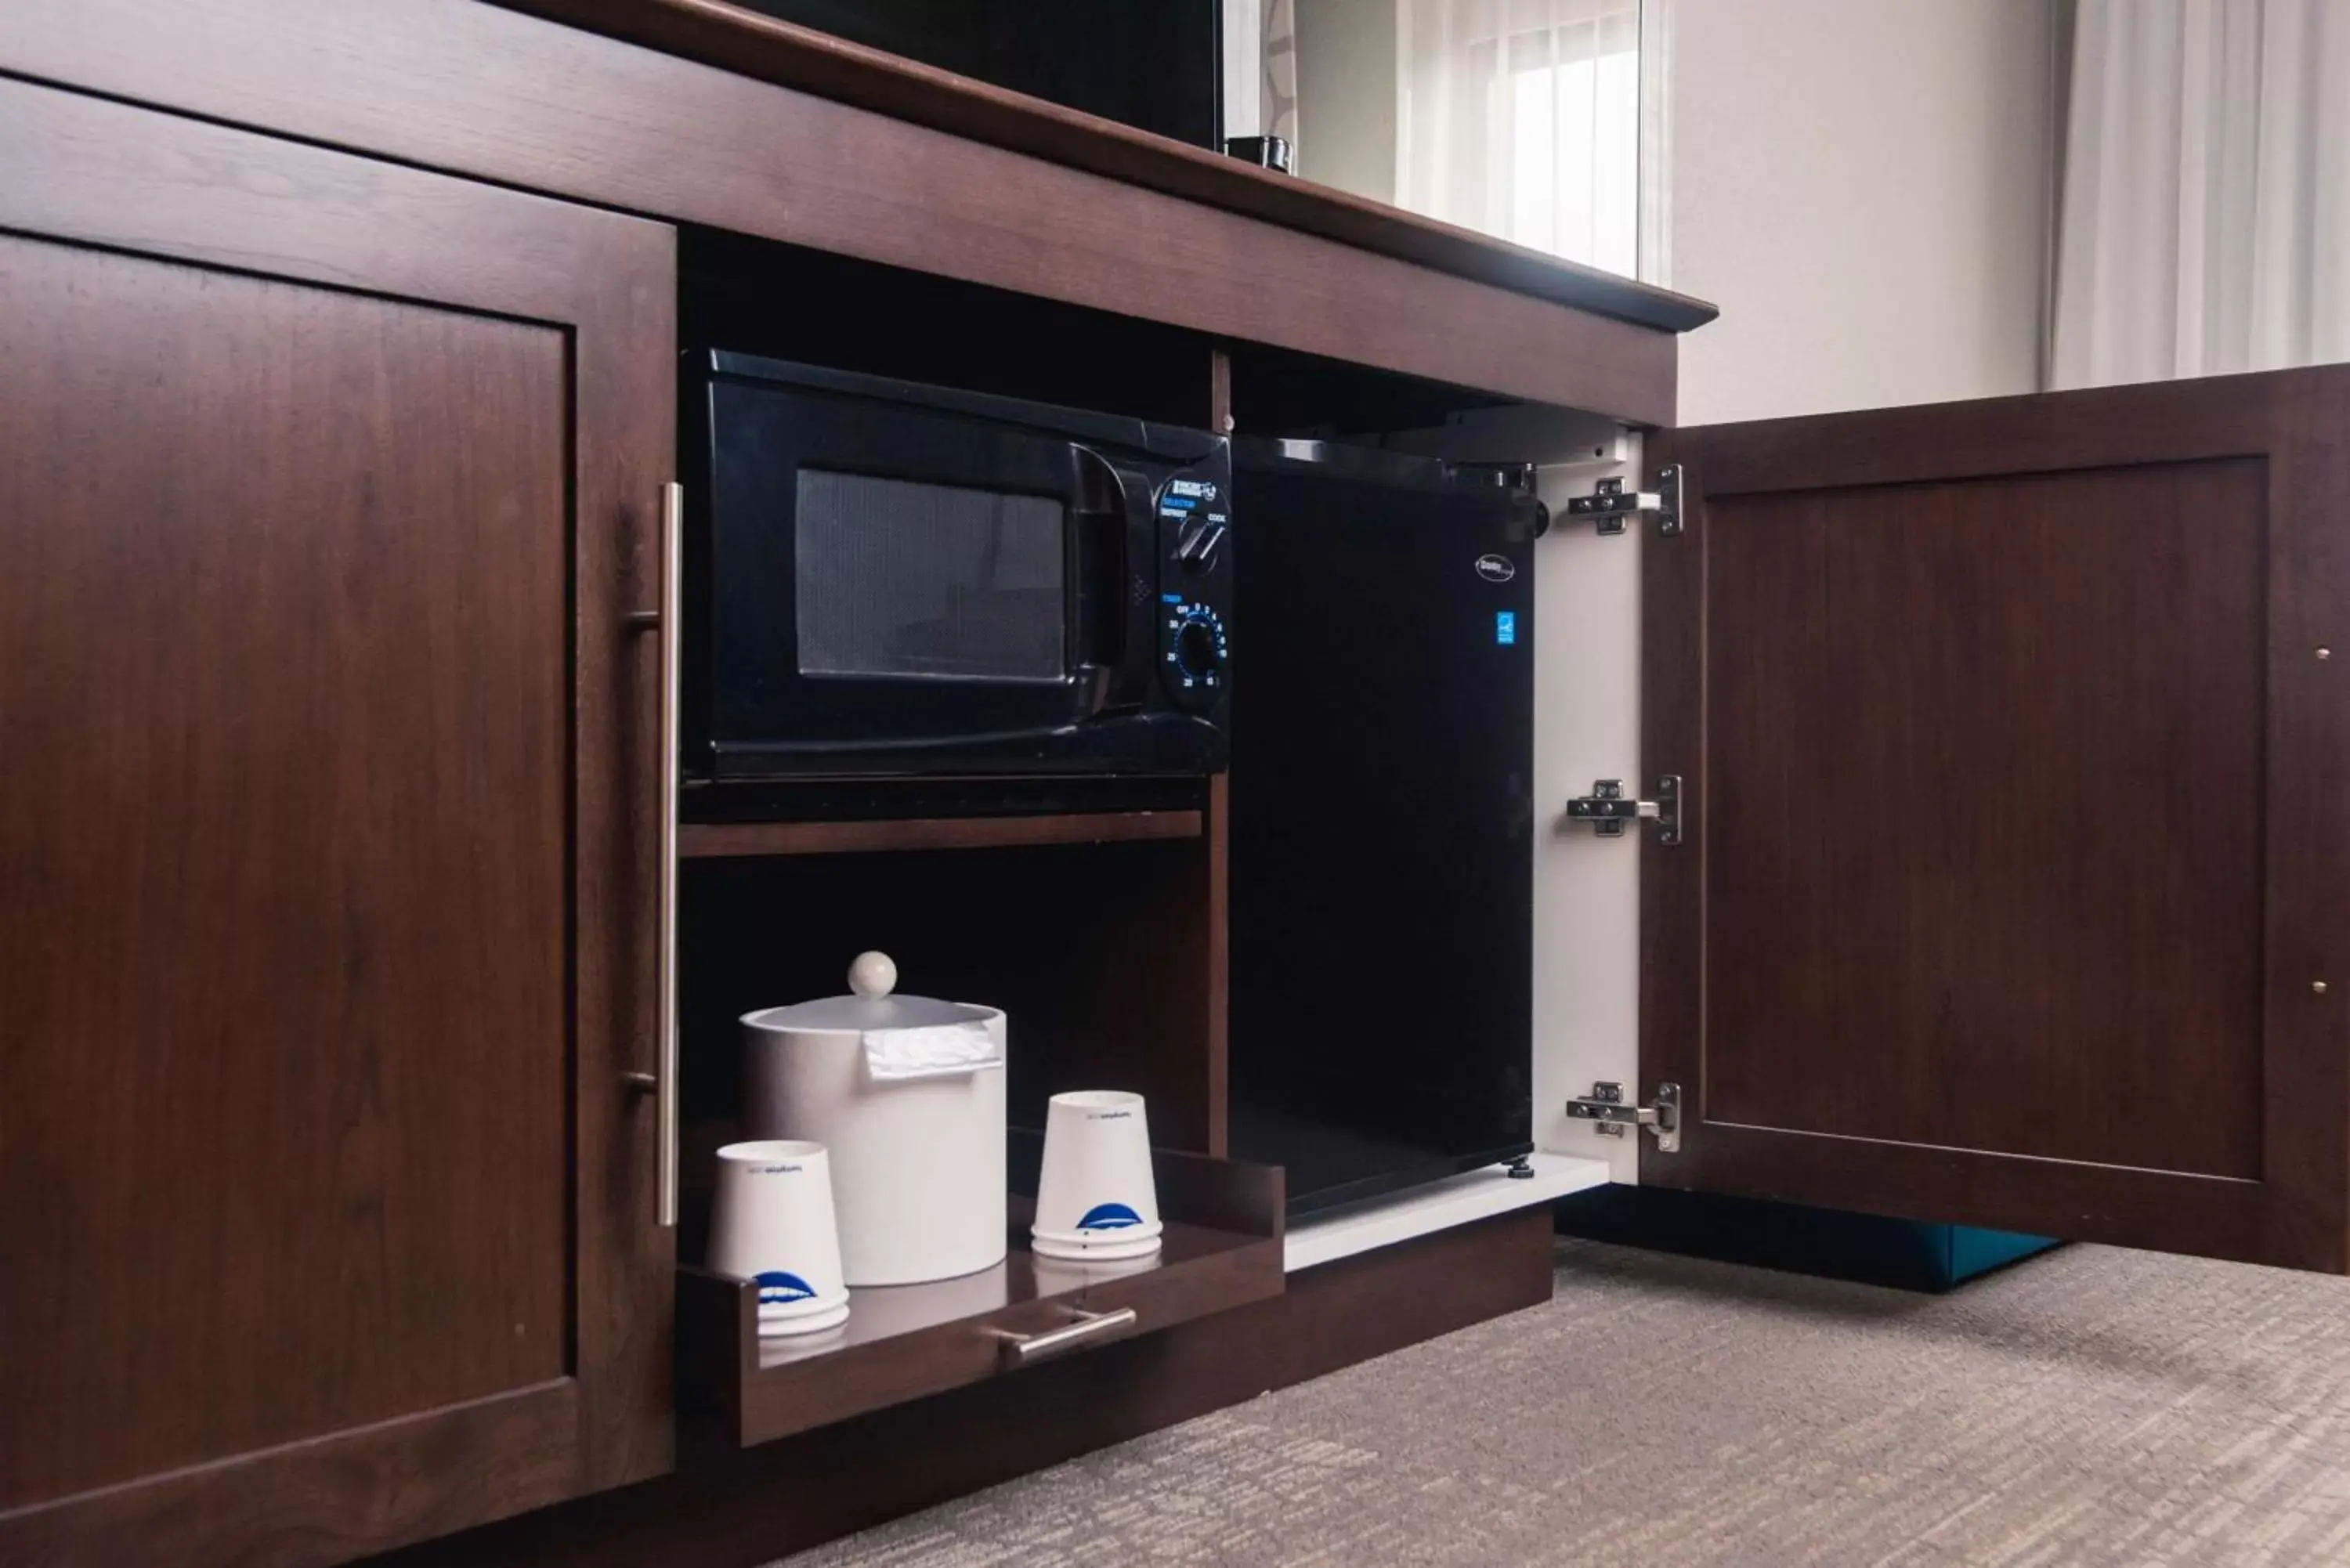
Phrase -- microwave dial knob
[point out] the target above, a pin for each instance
(1201, 537)
(1196, 651)
(1195, 656)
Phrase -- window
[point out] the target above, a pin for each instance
(897, 578)
(1521, 118)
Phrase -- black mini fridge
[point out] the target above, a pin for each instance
(1382, 817)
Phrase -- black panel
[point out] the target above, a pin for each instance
(785, 302)
(1382, 869)
(1281, 392)
(1155, 63)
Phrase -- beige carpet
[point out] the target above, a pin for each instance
(2089, 1407)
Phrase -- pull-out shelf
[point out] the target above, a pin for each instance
(1222, 1250)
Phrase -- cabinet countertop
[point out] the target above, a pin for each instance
(751, 44)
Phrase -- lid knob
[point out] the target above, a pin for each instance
(873, 974)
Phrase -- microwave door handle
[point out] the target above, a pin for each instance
(1100, 555)
(1136, 675)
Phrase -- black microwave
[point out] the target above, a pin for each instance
(886, 579)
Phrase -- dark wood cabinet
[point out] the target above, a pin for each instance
(2009, 886)
(2015, 856)
(325, 486)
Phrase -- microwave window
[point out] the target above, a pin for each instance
(895, 578)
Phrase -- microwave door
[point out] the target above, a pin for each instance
(888, 588)
(891, 588)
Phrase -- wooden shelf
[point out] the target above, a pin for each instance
(713, 840)
(1222, 1250)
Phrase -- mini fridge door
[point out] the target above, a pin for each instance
(1381, 853)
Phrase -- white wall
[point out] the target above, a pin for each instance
(1862, 186)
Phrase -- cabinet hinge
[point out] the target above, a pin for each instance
(1606, 1107)
(1607, 811)
(1609, 503)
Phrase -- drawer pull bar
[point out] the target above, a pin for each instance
(1025, 1349)
(661, 1082)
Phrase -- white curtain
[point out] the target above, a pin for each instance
(2205, 219)
(1521, 118)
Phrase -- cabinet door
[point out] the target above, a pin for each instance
(2013, 887)
(324, 489)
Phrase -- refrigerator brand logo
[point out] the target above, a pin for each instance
(1108, 1217)
(1496, 568)
(777, 1287)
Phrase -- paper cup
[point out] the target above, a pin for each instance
(1095, 1198)
(771, 1222)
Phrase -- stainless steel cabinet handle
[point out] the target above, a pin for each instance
(1021, 1349)
(673, 578)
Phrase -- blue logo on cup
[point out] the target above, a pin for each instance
(777, 1287)
(1108, 1217)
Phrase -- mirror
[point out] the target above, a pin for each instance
(1520, 119)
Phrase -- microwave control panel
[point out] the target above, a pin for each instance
(1195, 587)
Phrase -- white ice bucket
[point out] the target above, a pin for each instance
(918, 1176)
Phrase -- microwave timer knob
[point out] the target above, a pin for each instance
(1195, 650)
(1195, 654)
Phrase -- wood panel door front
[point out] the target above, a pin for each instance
(328, 1222)
(2014, 882)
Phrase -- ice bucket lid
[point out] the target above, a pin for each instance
(870, 1009)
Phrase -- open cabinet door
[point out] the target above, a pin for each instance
(2013, 884)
